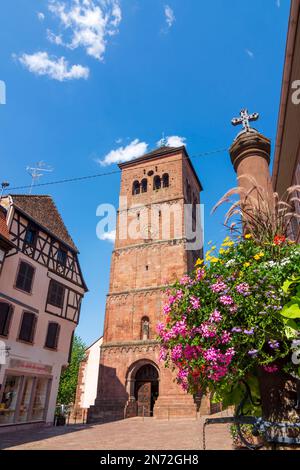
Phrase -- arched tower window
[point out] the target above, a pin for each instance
(156, 182)
(136, 188)
(144, 185)
(145, 328)
(165, 179)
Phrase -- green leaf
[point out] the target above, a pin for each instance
(288, 283)
(291, 310)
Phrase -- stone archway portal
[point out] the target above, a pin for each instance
(146, 389)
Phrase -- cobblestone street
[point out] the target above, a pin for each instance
(131, 434)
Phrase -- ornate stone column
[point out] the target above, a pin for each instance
(250, 156)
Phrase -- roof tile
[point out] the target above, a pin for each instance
(44, 212)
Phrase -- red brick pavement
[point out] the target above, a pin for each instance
(131, 434)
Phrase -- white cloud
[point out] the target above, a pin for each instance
(55, 39)
(172, 141)
(170, 16)
(41, 16)
(56, 68)
(249, 53)
(87, 23)
(124, 154)
(108, 236)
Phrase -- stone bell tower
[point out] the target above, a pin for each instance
(152, 250)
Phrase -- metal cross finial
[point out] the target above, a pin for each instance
(245, 119)
(163, 141)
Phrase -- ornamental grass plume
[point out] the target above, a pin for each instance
(262, 216)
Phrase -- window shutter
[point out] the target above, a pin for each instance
(4, 318)
(8, 321)
(25, 277)
(28, 278)
(71, 347)
(56, 294)
(28, 327)
(52, 335)
(33, 326)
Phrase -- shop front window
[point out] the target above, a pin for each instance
(25, 400)
(39, 403)
(9, 399)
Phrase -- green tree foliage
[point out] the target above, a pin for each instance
(68, 380)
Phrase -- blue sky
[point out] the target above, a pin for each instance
(131, 70)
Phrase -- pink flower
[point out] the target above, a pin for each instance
(219, 286)
(271, 369)
(162, 354)
(217, 372)
(215, 317)
(191, 352)
(179, 329)
(179, 294)
(186, 280)
(200, 274)
(172, 299)
(182, 378)
(176, 353)
(167, 309)
(211, 354)
(160, 328)
(226, 300)
(233, 309)
(226, 337)
(195, 302)
(208, 330)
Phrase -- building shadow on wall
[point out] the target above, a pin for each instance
(111, 398)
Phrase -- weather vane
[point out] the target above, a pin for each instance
(37, 172)
(245, 119)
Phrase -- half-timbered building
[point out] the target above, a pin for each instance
(41, 289)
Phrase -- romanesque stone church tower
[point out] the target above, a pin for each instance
(132, 380)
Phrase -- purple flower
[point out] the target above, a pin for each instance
(273, 344)
(253, 352)
(226, 300)
(249, 332)
(243, 289)
(236, 329)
